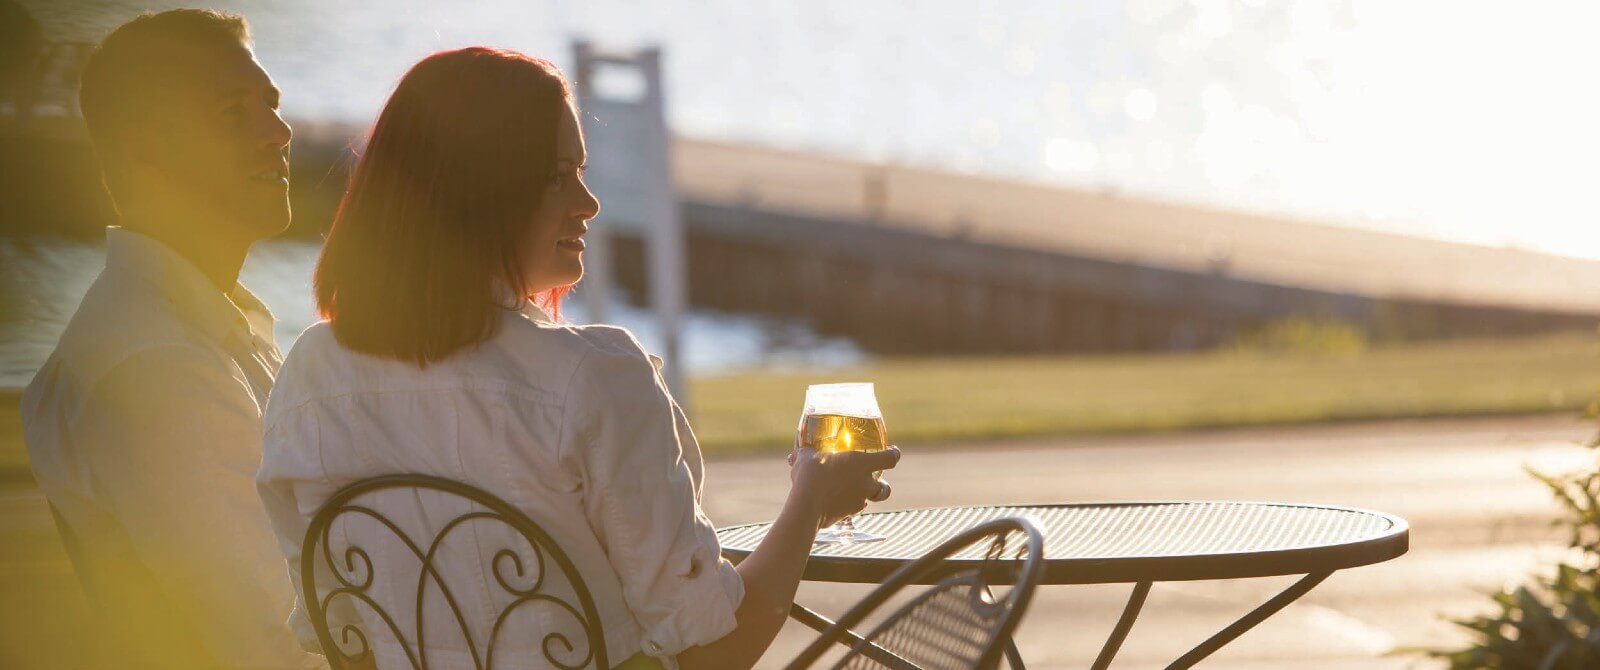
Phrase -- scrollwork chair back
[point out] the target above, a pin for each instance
(520, 559)
(959, 622)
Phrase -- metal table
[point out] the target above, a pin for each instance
(1133, 542)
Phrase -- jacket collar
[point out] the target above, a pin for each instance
(508, 299)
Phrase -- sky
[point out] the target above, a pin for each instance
(1461, 120)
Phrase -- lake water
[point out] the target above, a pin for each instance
(42, 280)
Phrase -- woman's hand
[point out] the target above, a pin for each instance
(825, 487)
(834, 485)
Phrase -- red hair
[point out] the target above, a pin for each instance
(425, 241)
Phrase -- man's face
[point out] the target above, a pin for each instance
(224, 147)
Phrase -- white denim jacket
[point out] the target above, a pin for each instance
(572, 425)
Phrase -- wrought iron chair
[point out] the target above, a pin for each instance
(958, 622)
(69, 543)
(520, 568)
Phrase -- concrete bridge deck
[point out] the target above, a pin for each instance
(906, 260)
(1136, 230)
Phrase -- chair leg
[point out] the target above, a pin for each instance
(849, 638)
(1249, 621)
(1130, 613)
(814, 621)
(1013, 657)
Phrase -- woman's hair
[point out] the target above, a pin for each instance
(423, 258)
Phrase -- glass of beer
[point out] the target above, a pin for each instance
(839, 418)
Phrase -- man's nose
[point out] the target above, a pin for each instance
(275, 133)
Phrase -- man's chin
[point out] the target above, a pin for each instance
(263, 226)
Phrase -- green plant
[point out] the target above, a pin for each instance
(1553, 621)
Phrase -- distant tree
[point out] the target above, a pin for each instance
(19, 42)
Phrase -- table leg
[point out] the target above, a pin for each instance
(1249, 621)
(1130, 613)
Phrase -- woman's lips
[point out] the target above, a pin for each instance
(575, 244)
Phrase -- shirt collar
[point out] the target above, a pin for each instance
(536, 313)
(509, 300)
(215, 313)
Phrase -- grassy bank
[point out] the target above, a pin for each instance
(945, 399)
(935, 400)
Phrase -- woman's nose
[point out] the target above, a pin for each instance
(586, 205)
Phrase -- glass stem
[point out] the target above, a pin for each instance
(847, 524)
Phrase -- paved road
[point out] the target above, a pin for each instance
(1477, 522)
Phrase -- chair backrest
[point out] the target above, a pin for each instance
(522, 581)
(131, 617)
(959, 621)
(70, 544)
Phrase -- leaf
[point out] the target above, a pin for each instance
(1550, 622)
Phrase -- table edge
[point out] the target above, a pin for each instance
(1131, 569)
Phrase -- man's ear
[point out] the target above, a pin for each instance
(141, 148)
(138, 153)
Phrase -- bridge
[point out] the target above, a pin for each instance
(912, 260)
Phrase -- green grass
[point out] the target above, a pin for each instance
(948, 399)
(952, 398)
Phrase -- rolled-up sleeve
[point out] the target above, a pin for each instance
(642, 501)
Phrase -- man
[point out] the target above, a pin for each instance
(144, 426)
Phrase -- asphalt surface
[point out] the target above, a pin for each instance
(1478, 521)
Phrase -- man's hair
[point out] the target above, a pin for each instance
(127, 72)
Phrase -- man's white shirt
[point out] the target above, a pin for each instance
(144, 431)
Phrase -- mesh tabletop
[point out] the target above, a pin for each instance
(1120, 542)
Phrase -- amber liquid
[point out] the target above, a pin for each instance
(834, 433)
(831, 433)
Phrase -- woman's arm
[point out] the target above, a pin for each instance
(623, 430)
(825, 488)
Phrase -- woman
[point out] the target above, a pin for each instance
(461, 231)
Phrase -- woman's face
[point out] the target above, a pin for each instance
(552, 253)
